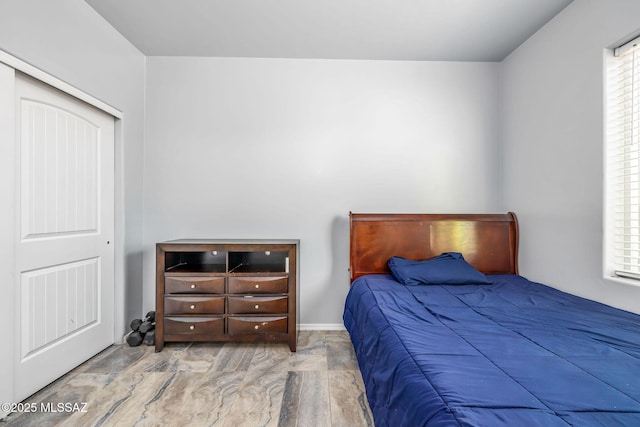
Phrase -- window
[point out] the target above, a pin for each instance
(623, 162)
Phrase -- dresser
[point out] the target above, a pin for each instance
(226, 290)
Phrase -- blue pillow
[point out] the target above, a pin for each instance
(450, 268)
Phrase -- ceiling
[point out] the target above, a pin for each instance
(426, 30)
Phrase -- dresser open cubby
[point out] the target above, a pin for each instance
(226, 290)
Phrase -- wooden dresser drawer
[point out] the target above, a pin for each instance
(194, 325)
(257, 325)
(258, 285)
(193, 305)
(258, 305)
(194, 285)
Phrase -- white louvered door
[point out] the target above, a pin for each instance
(64, 234)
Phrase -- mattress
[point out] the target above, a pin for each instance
(514, 353)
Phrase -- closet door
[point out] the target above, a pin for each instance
(64, 256)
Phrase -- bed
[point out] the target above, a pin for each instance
(510, 352)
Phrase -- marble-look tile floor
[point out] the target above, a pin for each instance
(209, 384)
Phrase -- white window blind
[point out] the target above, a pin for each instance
(623, 161)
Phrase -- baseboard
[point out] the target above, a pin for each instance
(321, 327)
(301, 327)
(124, 339)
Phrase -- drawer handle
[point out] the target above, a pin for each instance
(256, 306)
(192, 327)
(256, 327)
(257, 286)
(193, 306)
(193, 286)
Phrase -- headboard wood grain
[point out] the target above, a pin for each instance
(489, 242)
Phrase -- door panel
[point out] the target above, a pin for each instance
(64, 234)
(58, 301)
(60, 172)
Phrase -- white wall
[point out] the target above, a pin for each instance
(552, 115)
(277, 148)
(69, 40)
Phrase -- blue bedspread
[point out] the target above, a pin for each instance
(513, 353)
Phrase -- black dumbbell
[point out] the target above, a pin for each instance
(151, 316)
(134, 339)
(146, 327)
(135, 324)
(150, 337)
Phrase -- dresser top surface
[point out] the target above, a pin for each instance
(233, 241)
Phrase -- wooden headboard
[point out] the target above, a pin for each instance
(489, 242)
